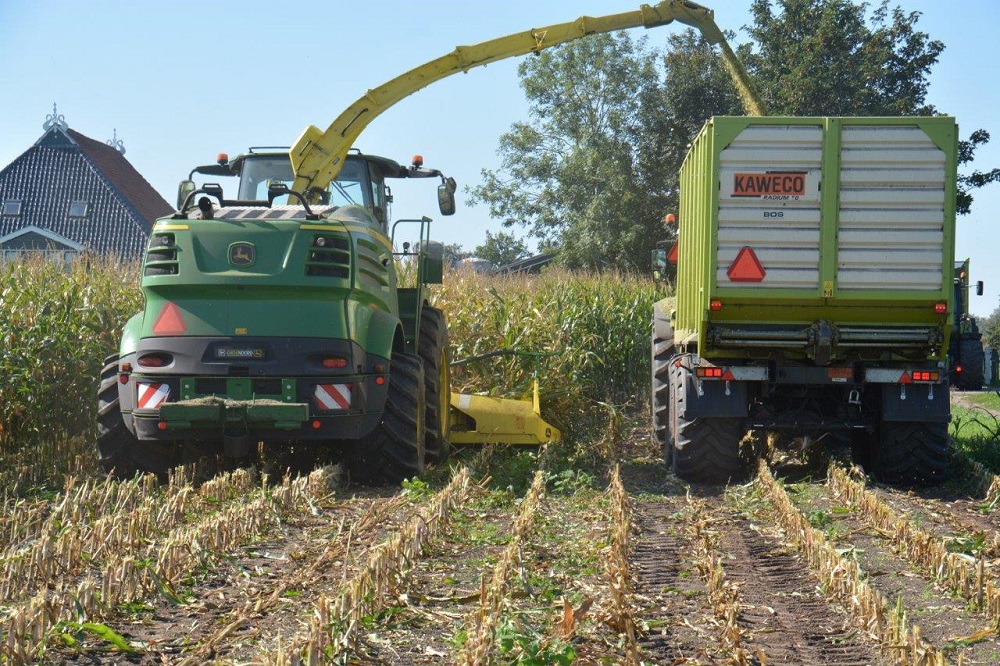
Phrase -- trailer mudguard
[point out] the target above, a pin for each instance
(710, 398)
(927, 403)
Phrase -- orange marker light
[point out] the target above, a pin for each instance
(316, 425)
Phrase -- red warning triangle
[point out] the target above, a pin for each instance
(746, 267)
(672, 255)
(728, 375)
(170, 321)
(905, 379)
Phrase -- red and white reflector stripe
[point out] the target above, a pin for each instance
(151, 396)
(333, 396)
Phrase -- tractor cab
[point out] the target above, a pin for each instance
(265, 176)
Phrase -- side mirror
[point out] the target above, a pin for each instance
(446, 196)
(183, 190)
(979, 288)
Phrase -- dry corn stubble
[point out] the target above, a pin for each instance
(483, 622)
(336, 619)
(618, 570)
(127, 577)
(968, 579)
(842, 579)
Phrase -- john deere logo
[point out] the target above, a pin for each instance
(242, 254)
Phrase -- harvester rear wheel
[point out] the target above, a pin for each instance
(706, 450)
(912, 454)
(433, 349)
(118, 450)
(661, 396)
(395, 450)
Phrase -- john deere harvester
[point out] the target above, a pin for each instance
(282, 323)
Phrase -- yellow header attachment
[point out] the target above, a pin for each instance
(317, 156)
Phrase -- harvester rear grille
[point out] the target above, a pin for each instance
(329, 256)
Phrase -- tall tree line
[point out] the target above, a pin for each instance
(594, 168)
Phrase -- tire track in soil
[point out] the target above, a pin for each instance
(781, 612)
(669, 593)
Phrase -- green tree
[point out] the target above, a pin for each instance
(570, 174)
(823, 58)
(501, 248)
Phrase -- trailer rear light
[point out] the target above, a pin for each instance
(379, 381)
(715, 305)
(334, 362)
(316, 425)
(162, 425)
(711, 373)
(925, 376)
(940, 308)
(958, 368)
(125, 369)
(155, 360)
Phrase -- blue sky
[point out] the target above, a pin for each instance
(180, 81)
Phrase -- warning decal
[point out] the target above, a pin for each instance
(333, 396)
(769, 184)
(151, 396)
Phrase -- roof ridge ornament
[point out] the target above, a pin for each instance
(55, 119)
(116, 143)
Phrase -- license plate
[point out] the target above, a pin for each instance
(239, 353)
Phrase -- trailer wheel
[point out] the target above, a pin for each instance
(706, 450)
(395, 450)
(433, 349)
(119, 452)
(973, 358)
(912, 453)
(661, 397)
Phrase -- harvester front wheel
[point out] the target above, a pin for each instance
(395, 450)
(912, 454)
(706, 450)
(119, 452)
(433, 349)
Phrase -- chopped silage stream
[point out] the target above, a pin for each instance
(636, 568)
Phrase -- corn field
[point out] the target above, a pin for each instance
(498, 557)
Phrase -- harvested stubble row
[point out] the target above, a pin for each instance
(966, 578)
(617, 567)
(128, 576)
(482, 624)
(724, 596)
(843, 579)
(337, 618)
(109, 520)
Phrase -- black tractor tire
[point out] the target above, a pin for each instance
(395, 450)
(912, 454)
(119, 452)
(660, 394)
(973, 358)
(706, 450)
(433, 350)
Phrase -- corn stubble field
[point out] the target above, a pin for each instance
(588, 551)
